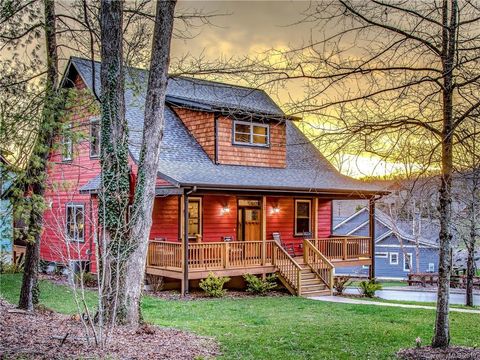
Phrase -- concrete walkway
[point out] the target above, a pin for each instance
(344, 300)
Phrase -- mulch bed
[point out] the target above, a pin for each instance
(200, 295)
(428, 353)
(39, 336)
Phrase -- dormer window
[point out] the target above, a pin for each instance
(248, 133)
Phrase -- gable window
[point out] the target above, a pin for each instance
(75, 222)
(248, 133)
(302, 216)
(94, 138)
(407, 262)
(393, 258)
(194, 218)
(67, 144)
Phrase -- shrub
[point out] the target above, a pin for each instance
(89, 279)
(156, 282)
(260, 286)
(10, 267)
(213, 285)
(368, 288)
(340, 284)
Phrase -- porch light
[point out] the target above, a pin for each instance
(225, 210)
(275, 209)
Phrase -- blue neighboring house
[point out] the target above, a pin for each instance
(6, 218)
(395, 246)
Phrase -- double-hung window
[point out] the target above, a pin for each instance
(303, 216)
(393, 258)
(75, 219)
(94, 138)
(249, 133)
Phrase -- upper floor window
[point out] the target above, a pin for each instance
(302, 216)
(248, 133)
(67, 144)
(75, 222)
(94, 138)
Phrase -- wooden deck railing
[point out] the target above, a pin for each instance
(211, 255)
(344, 248)
(318, 263)
(164, 254)
(288, 268)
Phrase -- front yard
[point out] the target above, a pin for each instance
(283, 327)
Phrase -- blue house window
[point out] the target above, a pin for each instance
(393, 258)
(407, 262)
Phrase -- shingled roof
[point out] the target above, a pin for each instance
(183, 162)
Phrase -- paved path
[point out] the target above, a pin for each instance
(344, 300)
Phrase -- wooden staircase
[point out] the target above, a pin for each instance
(311, 284)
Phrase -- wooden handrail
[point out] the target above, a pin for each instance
(319, 264)
(290, 270)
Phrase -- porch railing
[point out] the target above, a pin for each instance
(288, 268)
(211, 255)
(318, 263)
(344, 248)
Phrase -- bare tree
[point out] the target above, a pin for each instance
(385, 75)
(149, 157)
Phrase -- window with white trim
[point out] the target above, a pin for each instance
(303, 216)
(249, 133)
(94, 138)
(394, 258)
(407, 262)
(381, 255)
(431, 267)
(75, 221)
(67, 144)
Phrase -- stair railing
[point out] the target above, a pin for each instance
(288, 268)
(319, 264)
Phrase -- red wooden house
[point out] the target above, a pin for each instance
(240, 189)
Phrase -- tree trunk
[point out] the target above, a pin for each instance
(115, 186)
(149, 157)
(442, 326)
(470, 274)
(34, 182)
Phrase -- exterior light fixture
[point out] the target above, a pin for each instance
(225, 210)
(275, 209)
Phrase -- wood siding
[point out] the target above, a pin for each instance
(230, 154)
(217, 224)
(166, 218)
(201, 127)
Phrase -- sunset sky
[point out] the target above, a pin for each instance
(252, 28)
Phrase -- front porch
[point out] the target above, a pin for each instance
(196, 232)
(310, 273)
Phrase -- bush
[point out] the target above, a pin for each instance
(260, 286)
(10, 267)
(213, 285)
(340, 284)
(368, 288)
(89, 279)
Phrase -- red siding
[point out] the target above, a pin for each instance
(166, 218)
(324, 218)
(216, 224)
(64, 180)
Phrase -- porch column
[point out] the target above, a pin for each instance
(315, 220)
(264, 229)
(185, 244)
(371, 232)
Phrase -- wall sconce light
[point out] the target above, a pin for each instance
(275, 209)
(225, 209)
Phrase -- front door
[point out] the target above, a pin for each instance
(249, 220)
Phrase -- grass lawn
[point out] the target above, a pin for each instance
(284, 327)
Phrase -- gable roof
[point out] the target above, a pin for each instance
(360, 219)
(183, 162)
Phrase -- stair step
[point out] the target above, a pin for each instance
(311, 281)
(316, 287)
(315, 293)
(308, 276)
